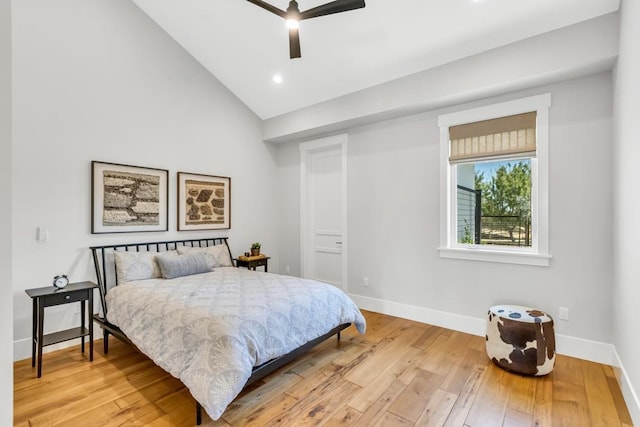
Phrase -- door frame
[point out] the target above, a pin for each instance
(307, 150)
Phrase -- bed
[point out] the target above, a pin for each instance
(216, 327)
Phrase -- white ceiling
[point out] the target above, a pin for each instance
(244, 46)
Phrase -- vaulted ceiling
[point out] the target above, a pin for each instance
(245, 46)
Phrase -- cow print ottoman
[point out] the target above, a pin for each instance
(521, 339)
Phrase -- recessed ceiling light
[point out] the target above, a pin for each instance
(277, 78)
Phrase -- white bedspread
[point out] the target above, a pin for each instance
(209, 330)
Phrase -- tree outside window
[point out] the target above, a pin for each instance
(505, 199)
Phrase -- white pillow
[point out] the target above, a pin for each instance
(218, 255)
(138, 265)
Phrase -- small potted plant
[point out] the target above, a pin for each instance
(255, 249)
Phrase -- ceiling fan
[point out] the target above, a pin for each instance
(294, 16)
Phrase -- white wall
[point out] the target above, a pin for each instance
(393, 210)
(627, 205)
(6, 306)
(98, 80)
(544, 59)
(288, 158)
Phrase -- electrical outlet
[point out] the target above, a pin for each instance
(42, 235)
(365, 282)
(564, 313)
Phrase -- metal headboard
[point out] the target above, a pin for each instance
(105, 266)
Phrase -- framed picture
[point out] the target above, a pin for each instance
(204, 202)
(127, 199)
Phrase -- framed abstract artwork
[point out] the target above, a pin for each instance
(204, 202)
(128, 199)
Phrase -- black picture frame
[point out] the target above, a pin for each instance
(204, 202)
(128, 199)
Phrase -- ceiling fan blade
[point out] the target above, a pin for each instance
(269, 7)
(294, 43)
(332, 7)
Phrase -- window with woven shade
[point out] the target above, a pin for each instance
(500, 138)
(494, 173)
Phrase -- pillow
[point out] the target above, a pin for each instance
(218, 255)
(183, 265)
(136, 266)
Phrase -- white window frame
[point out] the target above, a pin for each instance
(538, 253)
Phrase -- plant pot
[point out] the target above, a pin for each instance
(255, 252)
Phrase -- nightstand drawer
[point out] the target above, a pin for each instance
(65, 297)
(259, 262)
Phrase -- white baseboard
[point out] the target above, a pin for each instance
(22, 348)
(628, 392)
(457, 322)
(594, 351)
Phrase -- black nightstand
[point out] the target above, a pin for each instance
(251, 262)
(49, 296)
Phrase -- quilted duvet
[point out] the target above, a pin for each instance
(210, 330)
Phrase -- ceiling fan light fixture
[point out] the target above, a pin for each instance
(293, 16)
(293, 23)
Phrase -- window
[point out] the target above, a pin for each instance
(494, 182)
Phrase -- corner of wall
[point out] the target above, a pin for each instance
(6, 303)
(628, 392)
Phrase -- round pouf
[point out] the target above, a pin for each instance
(521, 339)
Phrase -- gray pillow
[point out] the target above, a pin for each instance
(218, 255)
(183, 265)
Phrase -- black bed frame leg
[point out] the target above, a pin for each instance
(198, 413)
(105, 340)
(338, 336)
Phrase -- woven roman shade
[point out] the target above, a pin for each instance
(495, 138)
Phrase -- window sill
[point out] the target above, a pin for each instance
(540, 260)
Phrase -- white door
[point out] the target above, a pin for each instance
(324, 210)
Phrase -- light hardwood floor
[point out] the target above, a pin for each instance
(401, 373)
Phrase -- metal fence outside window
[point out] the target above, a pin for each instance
(475, 228)
(505, 230)
(469, 209)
